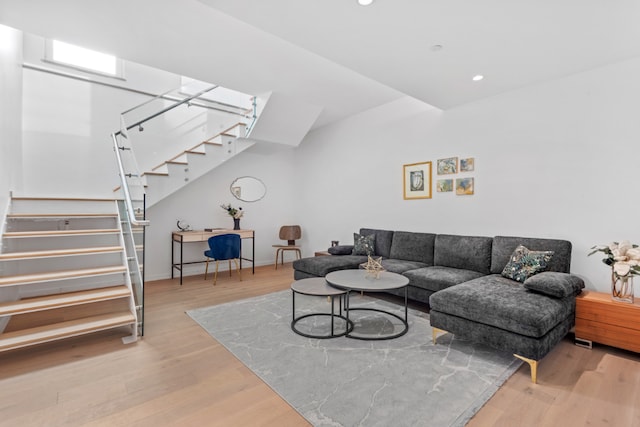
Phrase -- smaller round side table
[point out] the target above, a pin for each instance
(318, 286)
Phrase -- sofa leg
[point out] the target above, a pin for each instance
(533, 365)
(435, 332)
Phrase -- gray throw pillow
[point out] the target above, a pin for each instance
(524, 263)
(341, 250)
(558, 285)
(364, 245)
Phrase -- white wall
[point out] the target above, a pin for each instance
(10, 113)
(556, 160)
(198, 204)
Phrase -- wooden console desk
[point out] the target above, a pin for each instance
(199, 236)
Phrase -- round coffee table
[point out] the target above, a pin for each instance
(359, 280)
(318, 286)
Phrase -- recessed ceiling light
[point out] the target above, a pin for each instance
(478, 77)
(365, 2)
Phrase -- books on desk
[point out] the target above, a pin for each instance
(213, 229)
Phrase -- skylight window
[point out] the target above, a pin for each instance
(84, 59)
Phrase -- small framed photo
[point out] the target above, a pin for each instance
(447, 166)
(464, 186)
(417, 181)
(467, 165)
(444, 185)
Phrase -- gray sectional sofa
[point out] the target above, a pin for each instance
(461, 278)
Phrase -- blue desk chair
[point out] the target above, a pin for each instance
(223, 247)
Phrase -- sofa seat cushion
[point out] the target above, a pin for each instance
(322, 265)
(400, 265)
(437, 278)
(503, 303)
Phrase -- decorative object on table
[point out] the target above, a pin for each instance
(624, 259)
(373, 267)
(417, 180)
(464, 186)
(444, 185)
(334, 243)
(235, 213)
(183, 226)
(467, 165)
(447, 166)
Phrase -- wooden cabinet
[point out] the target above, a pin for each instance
(600, 319)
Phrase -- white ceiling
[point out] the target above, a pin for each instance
(345, 58)
(512, 43)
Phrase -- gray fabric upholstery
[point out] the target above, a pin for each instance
(437, 278)
(413, 247)
(400, 266)
(320, 266)
(383, 240)
(464, 252)
(558, 285)
(503, 247)
(532, 348)
(505, 304)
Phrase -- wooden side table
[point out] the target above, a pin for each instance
(321, 253)
(600, 319)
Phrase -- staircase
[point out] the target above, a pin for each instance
(192, 163)
(171, 121)
(66, 271)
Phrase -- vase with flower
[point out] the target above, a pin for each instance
(624, 259)
(235, 213)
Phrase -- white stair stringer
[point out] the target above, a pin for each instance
(179, 175)
(64, 272)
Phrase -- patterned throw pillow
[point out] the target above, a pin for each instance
(364, 245)
(525, 263)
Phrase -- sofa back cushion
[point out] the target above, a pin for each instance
(383, 240)
(503, 247)
(413, 246)
(465, 252)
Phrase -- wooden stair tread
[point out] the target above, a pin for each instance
(156, 173)
(58, 233)
(47, 302)
(60, 275)
(59, 252)
(202, 153)
(176, 162)
(42, 334)
(219, 144)
(61, 215)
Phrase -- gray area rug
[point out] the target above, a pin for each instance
(406, 381)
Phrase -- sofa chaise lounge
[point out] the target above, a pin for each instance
(462, 278)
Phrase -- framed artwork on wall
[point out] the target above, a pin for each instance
(447, 166)
(417, 181)
(444, 185)
(464, 186)
(467, 165)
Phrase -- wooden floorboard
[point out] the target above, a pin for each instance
(177, 375)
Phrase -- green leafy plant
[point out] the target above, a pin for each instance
(236, 213)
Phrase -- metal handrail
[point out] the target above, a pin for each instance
(125, 186)
(164, 110)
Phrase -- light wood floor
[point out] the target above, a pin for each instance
(178, 375)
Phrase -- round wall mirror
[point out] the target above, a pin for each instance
(248, 189)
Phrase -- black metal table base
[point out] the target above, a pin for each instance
(348, 323)
(404, 321)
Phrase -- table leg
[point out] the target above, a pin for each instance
(332, 314)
